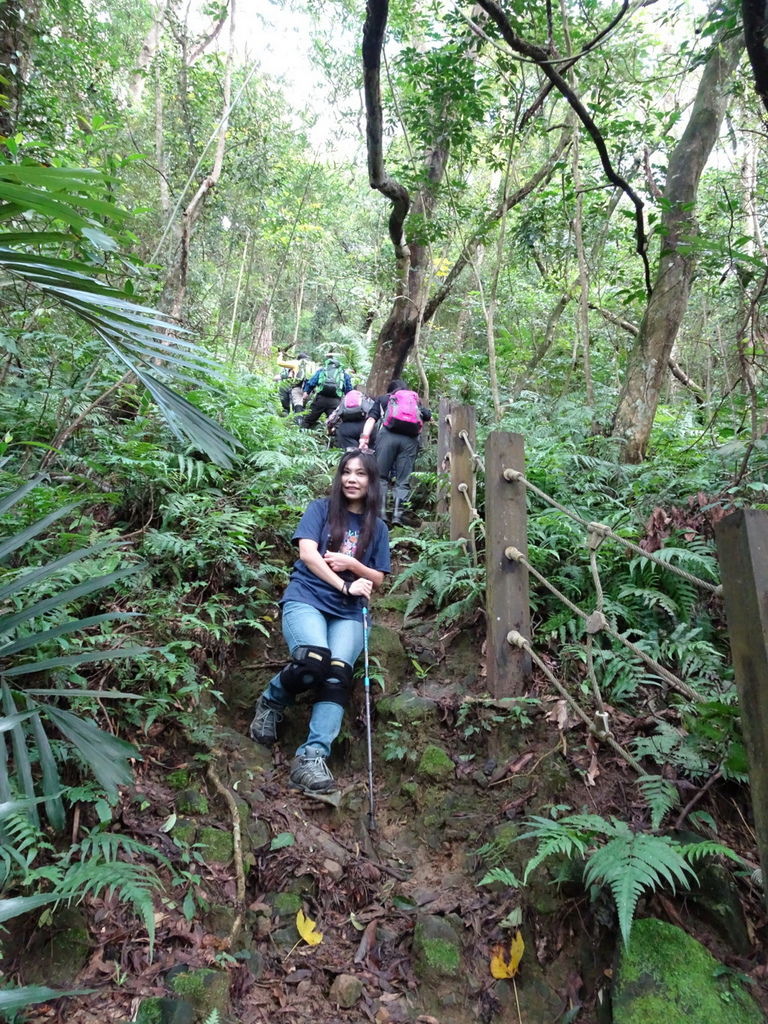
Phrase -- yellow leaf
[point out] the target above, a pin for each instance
(306, 928)
(503, 967)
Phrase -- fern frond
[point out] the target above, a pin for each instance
(632, 864)
(503, 875)
(650, 598)
(131, 883)
(569, 837)
(660, 794)
(107, 846)
(708, 848)
(697, 562)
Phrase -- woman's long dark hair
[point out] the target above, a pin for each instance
(337, 509)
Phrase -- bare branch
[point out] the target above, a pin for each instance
(207, 38)
(568, 63)
(373, 41)
(542, 58)
(536, 179)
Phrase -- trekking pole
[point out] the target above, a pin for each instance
(367, 686)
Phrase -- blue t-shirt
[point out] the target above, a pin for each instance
(310, 589)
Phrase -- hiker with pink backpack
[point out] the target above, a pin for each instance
(345, 424)
(400, 416)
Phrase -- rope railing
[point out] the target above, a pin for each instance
(473, 513)
(601, 529)
(599, 727)
(473, 454)
(597, 622)
(505, 449)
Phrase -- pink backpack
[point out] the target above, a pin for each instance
(403, 415)
(354, 406)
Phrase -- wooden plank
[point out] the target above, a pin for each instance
(507, 601)
(462, 492)
(742, 545)
(443, 460)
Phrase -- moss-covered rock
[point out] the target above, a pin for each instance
(259, 833)
(219, 919)
(190, 801)
(717, 901)
(345, 990)
(184, 831)
(411, 790)
(58, 953)
(505, 837)
(386, 644)
(284, 904)
(435, 764)
(407, 707)
(206, 990)
(216, 844)
(165, 1011)
(181, 778)
(667, 977)
(436, 948)
(301, 885)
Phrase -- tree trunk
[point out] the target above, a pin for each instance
(410, 307)
(397, 336)
(17, 21)
(649, 358)
(147, 55)
(598, 245)
(754, 15)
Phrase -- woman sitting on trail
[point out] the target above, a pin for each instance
(343, 555)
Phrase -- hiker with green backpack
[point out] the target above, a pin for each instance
(331, 383)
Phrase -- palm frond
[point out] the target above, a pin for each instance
(13, 999)
(24, 714)
(140, 337)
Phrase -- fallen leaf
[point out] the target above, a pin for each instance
(594, 770)
(559, 715)
(513, 919)
(367, 942)
(307, 929)
(503, 966)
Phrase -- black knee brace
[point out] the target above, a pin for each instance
(336, 688)
(308, 667)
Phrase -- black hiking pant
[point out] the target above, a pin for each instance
(322, 405)
(347, 433)
(396, 455)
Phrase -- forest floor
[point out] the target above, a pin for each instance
(366, 889)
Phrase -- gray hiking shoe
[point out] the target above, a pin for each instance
(310, 772)
(266, 718)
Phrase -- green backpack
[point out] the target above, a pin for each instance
(330, 382)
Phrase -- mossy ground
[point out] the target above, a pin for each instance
(667, 977)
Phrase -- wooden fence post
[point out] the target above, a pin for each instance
(462, 492)
(443, 457)
(509, 669)
(742, 546)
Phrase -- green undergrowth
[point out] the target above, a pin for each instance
(185, 559)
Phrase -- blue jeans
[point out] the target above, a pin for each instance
(303, 624)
